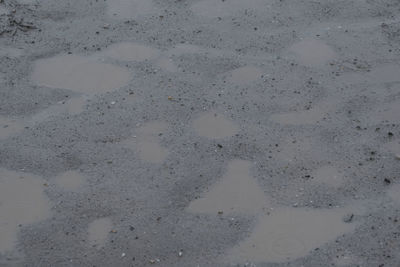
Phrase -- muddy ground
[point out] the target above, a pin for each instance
(199, 133)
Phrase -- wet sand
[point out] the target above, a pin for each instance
(199, 133)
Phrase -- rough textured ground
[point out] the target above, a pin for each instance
(199, 133)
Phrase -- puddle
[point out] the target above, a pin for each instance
(328, 175)
(152, 152)
(146, 143)
(237, 192)
(75, 105)
(22, 202)
(70, 181)
(394, 193)
(166, 64)
(218, 8)
(291, 233)
(9, 127)
(385, 73)
(245, 75)
(131, 52)
(311, 52)
(214, 125)
(387, 113)
(80, 74)
(98, 231)
(125, 9)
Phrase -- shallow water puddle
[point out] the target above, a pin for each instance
(9, 127)
(328, 175)
(214, 125)
(311, 52)
(22, 202)
(98, 231)
(70, 180)
(218, 8)
(130, 8)
(394, 193)
(245, 75)
(385, 73)
(237, 192)
(126, 51)
(80, 74)
(152, 151)
(147, 142)
(291, 233)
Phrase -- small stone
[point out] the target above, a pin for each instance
(180, 253)
(220, 212)
(387, 181)
(123, 255)
(397, 156)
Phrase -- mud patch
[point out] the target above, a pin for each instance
(22, 202)
(80, 74)
(214, 125)
(237, 192)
